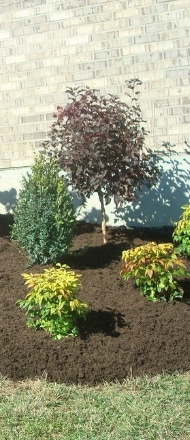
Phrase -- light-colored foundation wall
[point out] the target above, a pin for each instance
(47, 45)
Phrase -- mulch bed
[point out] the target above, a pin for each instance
(124, 334)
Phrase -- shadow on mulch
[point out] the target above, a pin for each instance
(6, 221)
(82, 228)
(101, 321)
(123, 332)
(185, 284)
(95, 257)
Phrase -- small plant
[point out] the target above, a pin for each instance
(181, 234)
(154, 267)
(52, 304)
(44, 216)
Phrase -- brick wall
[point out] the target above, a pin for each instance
(47, 45)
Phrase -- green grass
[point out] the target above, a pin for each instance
(139, 409)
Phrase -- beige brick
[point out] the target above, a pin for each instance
(61, 15)
(125, 13)
(47, 45)
(5, 34)
(15, 14)
(179, 4)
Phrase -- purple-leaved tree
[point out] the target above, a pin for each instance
(100, 144)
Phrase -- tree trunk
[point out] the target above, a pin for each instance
(103, 212)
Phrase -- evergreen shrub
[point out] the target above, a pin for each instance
(44, 217)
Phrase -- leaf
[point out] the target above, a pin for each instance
(149, 272)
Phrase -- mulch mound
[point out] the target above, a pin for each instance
(123, 335)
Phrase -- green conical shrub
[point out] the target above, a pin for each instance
(44, 217)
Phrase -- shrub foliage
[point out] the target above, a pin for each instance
(181, 234)
(52, 303)
(155, 268)
(43, 217)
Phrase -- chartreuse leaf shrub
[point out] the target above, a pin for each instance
(44, 217)
(155, 268)
(52, 303)
(181, 234)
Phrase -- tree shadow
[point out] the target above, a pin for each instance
(161, 205)
(82, 227)
(8, 199)
(101, 321)
(158, 206)
(119, 239)
(132, 235)
(94, 214)
(95, 257)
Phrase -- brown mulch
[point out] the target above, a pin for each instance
(124, 334)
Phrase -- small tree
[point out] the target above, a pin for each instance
(99, 141)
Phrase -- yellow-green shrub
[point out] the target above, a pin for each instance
(181, 234)
(51, 303)
(154, 267)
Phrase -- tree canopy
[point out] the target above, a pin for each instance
(100, 144)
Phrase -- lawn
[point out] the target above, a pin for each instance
(136, 409)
